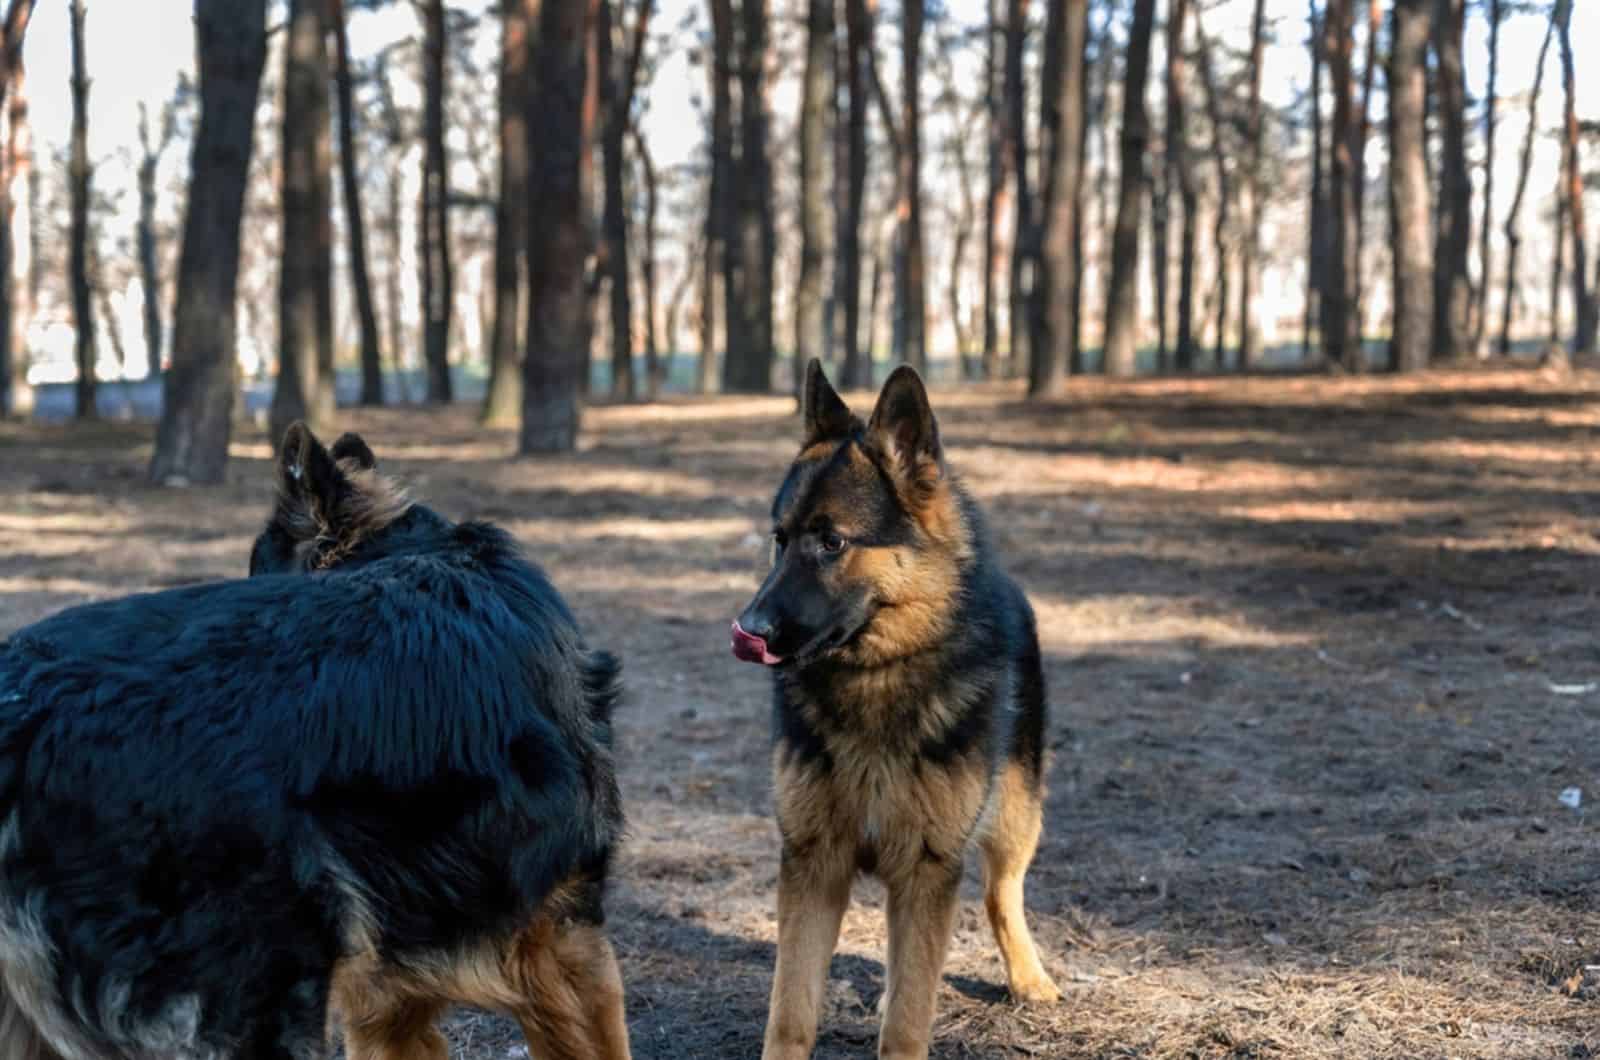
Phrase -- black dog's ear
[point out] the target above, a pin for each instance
(902, 425)
(307, 476)
(350, 446)
(826, 416)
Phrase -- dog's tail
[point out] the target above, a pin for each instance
(602, 685)
(19, 1039)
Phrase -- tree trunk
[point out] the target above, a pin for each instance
(15, 169)
(1061, 119)
(1219, 157)
(305, 317)
(1491, 121)
(1410, 209)
(1558, 259)
(1023, 233)
(438, 281)
(1358, 169)
(719, 210)
(809, 338)
(360, 277)
(748, 367)
(1341, 312)
(1572, 177)
(654, 377)
(619, 76)
(1452, 284)
(561, 122)
(913, 308)
(198, 389)
(1122, 296)
(79, 177)
(149, 268)
(999, 178)
(1180, 173)
(1317, 237)
(858, 37)
(1513, 218)
(1250, 251)
(519, 21)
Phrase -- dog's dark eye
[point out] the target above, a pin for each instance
(832, 542)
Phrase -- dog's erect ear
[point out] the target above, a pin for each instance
(903, 428)
(350, 446)
(825, 413)
(308, 478)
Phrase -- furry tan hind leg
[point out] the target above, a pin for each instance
(402, 1031)
(1007, 852)
(572, 1005)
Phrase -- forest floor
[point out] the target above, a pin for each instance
(1322, 656)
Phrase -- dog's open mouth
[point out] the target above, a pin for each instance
(751, 648)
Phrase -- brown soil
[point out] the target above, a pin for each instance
(1320, 653)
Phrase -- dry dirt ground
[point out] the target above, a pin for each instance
(1322, 659)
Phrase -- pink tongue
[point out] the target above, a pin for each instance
(751, 648)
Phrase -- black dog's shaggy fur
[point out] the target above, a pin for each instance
(223, 807)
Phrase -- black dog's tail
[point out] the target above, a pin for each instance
(602, 685)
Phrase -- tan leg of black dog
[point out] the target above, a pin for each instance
(574, 1008)
(922, 917)
(404, 1032)
(1007, 851)
(813, 892)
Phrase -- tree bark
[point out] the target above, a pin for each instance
(1250, 251)
(1358, 169)
(149, 267)
(15, 169)
(913, 295)
(198, 389)
(438, 280)
(748, 366)
(1341, 312)
(619, 76)
(1023, 232)
(1180, 172)
(519, 21)
(719, 209)
(1491, 122)
(1122, 297)
(858, 34)
(1317, 236)
(809, 337)
(653, 369)
(360, 276)
(1219, 157)
(1410, 210)
(999, 178)
(305, 300)
(1452, 283)
(1513, 218)
(1061, 121)
(561, 123)
(79, 177)
(1585, 310)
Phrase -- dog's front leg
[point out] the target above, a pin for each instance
(922, 917)
(813, 890)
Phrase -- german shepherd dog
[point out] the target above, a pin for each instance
(374, 778)
(909, 711)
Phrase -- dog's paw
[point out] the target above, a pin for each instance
(1036, 990)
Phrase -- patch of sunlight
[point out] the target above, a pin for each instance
(250, 451)
(75, 586)
(586, 578)
(560, 531)
(1341, 511)
(1107, 620)
(579, 479)
(688, 410)
(97, 522)
(1528, 452)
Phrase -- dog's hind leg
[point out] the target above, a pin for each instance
(572, 1005)
(404, 1031)
(1007, 851)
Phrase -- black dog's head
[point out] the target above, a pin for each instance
(868, 536)
(328, 504)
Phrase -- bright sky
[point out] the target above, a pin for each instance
(137, 48)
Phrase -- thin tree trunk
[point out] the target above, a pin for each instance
(719, 209)
(1341, 313)
(438, 281)
(519, 21)
(1558, 260)
(1023, 231)
(1572, 178)
(561, 122)
(1317, 237)
(914, 309)
(1160, 253)
(1219, 156)
(14, 168)
(1514, 217)
(653, 377)
(620, 76)
(999, 177)
(1408, 188)
(305, 308)
(809, 337)
(1122, 297)
(858, 30)
(198, 390)
(1491, 121)
(1249, 331)
(1452, 283)
(748, 367)
(1180, 172)
(675, 300)
(80, 176)
(1061, 153)
(1358, 170)
(149, 269)
(360, 276)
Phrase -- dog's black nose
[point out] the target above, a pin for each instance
(757, 623)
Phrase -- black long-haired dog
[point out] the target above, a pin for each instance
(376, 777)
